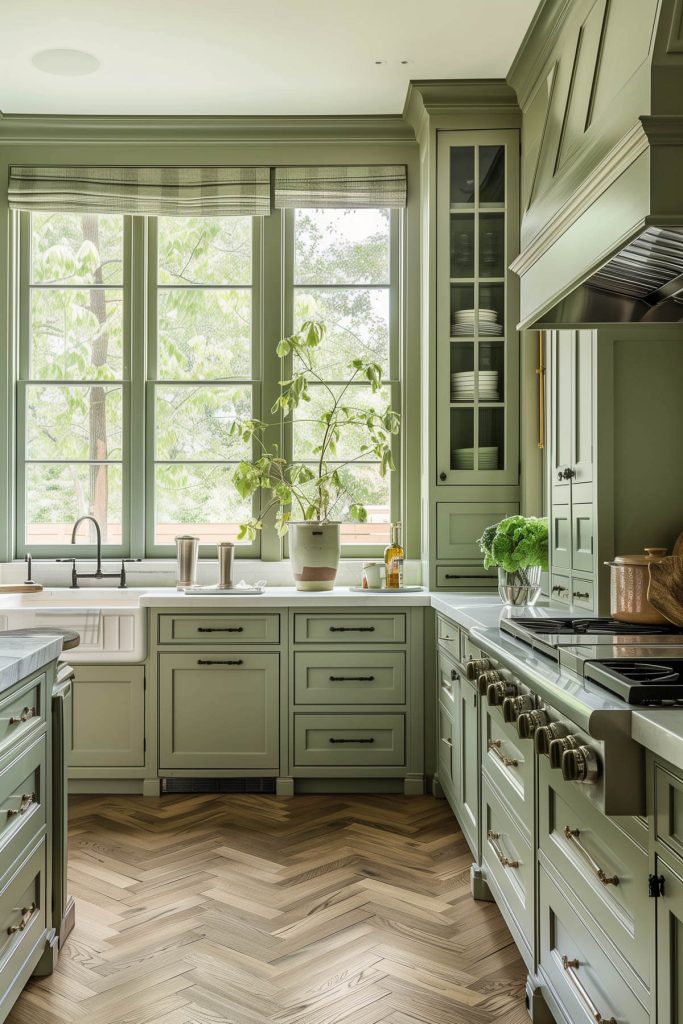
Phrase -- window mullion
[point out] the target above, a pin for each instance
(273, 268)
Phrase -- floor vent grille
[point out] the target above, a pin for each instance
(255, 785)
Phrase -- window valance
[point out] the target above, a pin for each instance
(155, 191)
(341, 187)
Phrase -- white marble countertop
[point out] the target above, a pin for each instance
(285, 597)
(20, 656)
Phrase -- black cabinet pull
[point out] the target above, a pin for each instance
(464, 576)
(220, 629)
(352, 679)
(370, 740)
(203, 661)
(352, 629)
(582, 594)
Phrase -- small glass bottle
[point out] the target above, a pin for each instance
(393, 559)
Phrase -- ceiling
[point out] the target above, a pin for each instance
(247, 56)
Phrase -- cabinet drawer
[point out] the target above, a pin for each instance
(460, 524)
(22, 913)
(22, 799)
(580, 976)
(22, 712)
(508, 861)
(349, 740)
(600, 862)
(465, 577)
(668, 808)
(582, 593)
(560, 589)
(219, 629)
(350, 629)
(509, 762)
(350, 677)
(448, 636)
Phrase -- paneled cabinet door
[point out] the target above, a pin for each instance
(469, 763)
(560, 413)
(108, 716)
(670, 944)
(218, 711)
(582, 413)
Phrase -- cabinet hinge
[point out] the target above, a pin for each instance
(655, 885)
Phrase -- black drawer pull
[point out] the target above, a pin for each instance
(370, 740)
(464, 576)
(204, 661)
(352, 679)
(352, 629)
(583, 594)
(220, 629)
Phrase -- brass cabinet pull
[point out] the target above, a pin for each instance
(26, 915)
(571, 967)
(493, 838)
(495, 748)
(26, 801)
(220, 629)
(572, 836)
(371, 739)
(24, 716)
(234, 661)
(352, 629)
(352, 679)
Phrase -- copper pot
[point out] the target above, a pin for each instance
(629, 580)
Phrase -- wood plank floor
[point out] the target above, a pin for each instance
(253, 909)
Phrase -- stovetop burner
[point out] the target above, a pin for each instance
(647, 683)
(593, 627)
(644, 672)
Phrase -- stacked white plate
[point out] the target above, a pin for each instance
(463, 458)
(462, 386)
(464, 320)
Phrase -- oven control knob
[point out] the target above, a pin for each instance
(529, 721)
(498, 691)
(493, 675)
(475, 667)
(580, 765)
(514, 706)
(559, 746)
(545, 734)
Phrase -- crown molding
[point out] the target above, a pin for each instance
(537, 46)
(441, 96)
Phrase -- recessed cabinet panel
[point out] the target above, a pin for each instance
(561, 412)
(469, 762)
(561, 537)
(445, 751)
(350, 629)
(670, 943)
(582, 537)
(560, 589)
(346, 677)
(219, 629)
(508, 863)
(582, 456)
(343, 740)
(108, 716)
(669, 809)
(460, 524)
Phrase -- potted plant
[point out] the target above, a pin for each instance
(310, 497)
(518, 545)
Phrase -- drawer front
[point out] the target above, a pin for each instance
(22, 799)
(581, 977)
(22, 912)
(508, 860)
(560, 589)
(350, 677)
(447, 684)
(349, 740)
(446, 739)
(465, 577)
(509, 762)
(599, 862)
(668, 808)
(350, 629)
(460, 524)
(23, 712)
(448, 636)
(582, 593)
(219, 629)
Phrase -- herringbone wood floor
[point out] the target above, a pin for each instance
(252, 909)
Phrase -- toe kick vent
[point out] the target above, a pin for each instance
(235, 785)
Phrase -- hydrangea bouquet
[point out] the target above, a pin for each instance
(518, 545)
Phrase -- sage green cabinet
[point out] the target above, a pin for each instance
(459, 524)
(108, 716)
(670, 941)
(218, 710)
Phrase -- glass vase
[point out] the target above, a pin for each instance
(520, 588)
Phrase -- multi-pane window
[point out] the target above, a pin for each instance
(342, 274)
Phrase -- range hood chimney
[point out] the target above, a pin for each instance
(602, 154)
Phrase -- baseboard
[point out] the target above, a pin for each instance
(348, 786)
(134, 786)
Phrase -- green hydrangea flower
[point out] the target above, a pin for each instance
(517, 542)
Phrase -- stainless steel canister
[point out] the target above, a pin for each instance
(226, 555)
(187, 550)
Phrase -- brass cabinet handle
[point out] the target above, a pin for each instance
(24, 716)
(26, 915)
(26, 801)
(571, 967)
(352, 679)
(495, 748)
(371, 739)
(220, 629)
(233, 661)
(352, 629)
(572, 836)
(493, 838)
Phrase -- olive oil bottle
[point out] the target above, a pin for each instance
(393, 559)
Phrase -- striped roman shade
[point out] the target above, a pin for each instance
(155, 191)
(341, 187)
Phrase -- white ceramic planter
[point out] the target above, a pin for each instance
(314, 551)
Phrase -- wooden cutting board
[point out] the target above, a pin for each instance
(665, 591)
(20, 588)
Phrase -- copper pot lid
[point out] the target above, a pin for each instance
(650, 555)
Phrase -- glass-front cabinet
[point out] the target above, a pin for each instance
(477, 345)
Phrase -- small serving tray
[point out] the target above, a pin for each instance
(386, 590)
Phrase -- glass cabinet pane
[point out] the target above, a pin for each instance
(462, 438)
(462, 174)
(462, 381)
(492, 308)
(491, 174)
(491, 244)
(462, 245)
(462, 311)
(490, 454)
(491, 377)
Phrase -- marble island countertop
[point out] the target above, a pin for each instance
(20, 656)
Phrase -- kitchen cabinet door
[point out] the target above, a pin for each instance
(582, 537)
(582, 408)
(469, 773)
(670, 943)
(219, 711)
(560, 413)
(108, 716)
(561, 537)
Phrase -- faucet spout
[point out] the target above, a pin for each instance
(98, 535)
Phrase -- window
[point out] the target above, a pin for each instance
(343, 273)
(140, 342)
